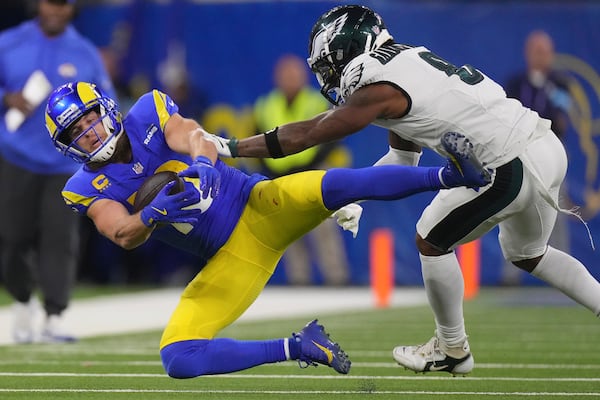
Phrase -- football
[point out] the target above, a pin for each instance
(152, 185)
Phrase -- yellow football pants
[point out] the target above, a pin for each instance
(278, 212)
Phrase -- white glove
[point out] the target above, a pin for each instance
(348, 217)
(222, 144)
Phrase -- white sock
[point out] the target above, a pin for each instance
(445, 288)
(570, 276)
(286, 348)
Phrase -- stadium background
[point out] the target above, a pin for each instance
(230, 49)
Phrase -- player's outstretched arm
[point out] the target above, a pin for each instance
(360, 109)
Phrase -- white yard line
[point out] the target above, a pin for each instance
(308, 392)
(302, 377)
(364, 364)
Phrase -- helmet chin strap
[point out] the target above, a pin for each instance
(107, 149)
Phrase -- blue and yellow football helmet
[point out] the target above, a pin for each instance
(67, 104)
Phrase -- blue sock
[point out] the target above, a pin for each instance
(343, 186)
(191, 358)
(295, 348)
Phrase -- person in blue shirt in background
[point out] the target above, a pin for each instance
(39, 236)
(238, 225)
(544, 89)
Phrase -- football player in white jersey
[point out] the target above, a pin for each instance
(418, 96)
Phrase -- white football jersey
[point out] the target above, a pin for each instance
(446, 98)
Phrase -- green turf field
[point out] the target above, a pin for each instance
(522, 350)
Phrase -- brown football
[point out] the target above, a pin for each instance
(152, 185)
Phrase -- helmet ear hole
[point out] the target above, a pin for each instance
(65, 137)
(108, 123)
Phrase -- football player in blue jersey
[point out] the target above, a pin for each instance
(232, 220)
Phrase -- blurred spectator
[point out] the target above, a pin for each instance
(540, 87)
(113, 64)
(39, 236)
(545, 90)
(176, 82)
(293, 99)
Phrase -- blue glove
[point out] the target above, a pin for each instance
(210, 177)
(169, 208)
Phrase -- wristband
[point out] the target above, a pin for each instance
(203, 160)
(273, 145)
(147, 217)
(232, 144)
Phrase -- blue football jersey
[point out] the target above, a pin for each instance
(144, 126)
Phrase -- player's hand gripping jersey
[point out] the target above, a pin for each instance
(445, 98)
(144, 127)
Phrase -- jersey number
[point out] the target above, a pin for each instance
(466, 73)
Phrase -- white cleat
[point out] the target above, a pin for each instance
(54, 331)
(429, 357)
(24, 315)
